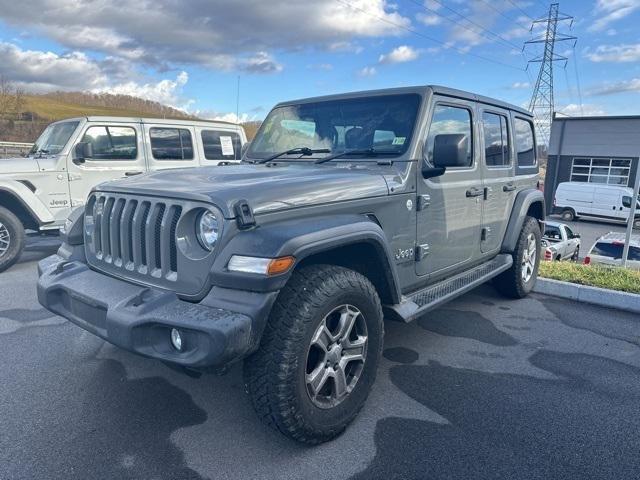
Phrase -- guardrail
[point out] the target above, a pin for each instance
(14, 148)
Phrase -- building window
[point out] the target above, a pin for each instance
(610, 171)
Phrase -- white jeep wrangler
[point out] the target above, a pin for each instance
(72, 156)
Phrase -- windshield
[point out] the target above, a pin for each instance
(382, 123)
(54, 138)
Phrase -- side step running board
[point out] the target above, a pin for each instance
(435, 295)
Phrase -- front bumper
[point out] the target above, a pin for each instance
(140, 319)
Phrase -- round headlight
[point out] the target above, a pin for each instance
(208, 229)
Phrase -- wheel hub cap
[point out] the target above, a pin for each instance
(529, 258)
(5, 239)
(336, 356)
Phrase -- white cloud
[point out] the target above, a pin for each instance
(39, 72)
(367, 72)
(623, 86)
(615, 53)
(609, 11)
(401, 54)
(520, 85)
(225, 34)
(429, 20)
(167, 92)
(585, 110)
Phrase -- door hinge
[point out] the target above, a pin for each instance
(74, 176)
(423, 202)
(422, 251)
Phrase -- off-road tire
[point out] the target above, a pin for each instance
(568, 215)
(275, 373)
(16, 238)
(511, 283)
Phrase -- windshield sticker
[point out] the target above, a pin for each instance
(398, 141)
(227, 146)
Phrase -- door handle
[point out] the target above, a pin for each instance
(131, 174)
(475, 192)
(509, 187)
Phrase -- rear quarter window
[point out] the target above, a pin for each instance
(221, 145)
(615, 250)
(525, 142)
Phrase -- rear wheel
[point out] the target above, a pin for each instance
(11, 238)
(519, 280)
(568, 215)
(636, 223)
(319, 354)
(576, 255)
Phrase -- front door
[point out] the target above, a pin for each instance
(117, 153)
(498, 174)
(450, 206)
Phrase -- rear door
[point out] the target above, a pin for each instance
(170, 146)
(450, 206)
(220, 146)
(117, 152)
(498, 175)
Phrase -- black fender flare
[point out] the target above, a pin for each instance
(301, 238)
(525, 200)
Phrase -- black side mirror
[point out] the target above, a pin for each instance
(81, 152)
(431, 172)
(244, 149)
(576, 235)
(450, 150)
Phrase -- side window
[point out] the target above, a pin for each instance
(496, 140)
(112, 143)
(569, 232)
(524, 142)
(448, 120)
(220, 145)
(171, 143)
(626, 201)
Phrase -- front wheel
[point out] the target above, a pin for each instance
(319, 354)
(11, 238)
(519, 280)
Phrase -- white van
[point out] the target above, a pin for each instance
(37, 192)
(577, 199)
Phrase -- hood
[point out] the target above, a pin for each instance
(266, 189)
(18, 165)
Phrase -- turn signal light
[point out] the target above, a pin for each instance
(280, 265)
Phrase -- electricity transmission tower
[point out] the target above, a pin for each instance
(542, 104)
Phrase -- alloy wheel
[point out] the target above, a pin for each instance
(336, 356)
(529, 258)
(5, 239)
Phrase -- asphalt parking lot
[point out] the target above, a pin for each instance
(590, 231)
(483, 388)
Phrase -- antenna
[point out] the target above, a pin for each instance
(542, 102)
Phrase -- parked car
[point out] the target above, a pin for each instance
(345, 207)
(559, 242)
(611, 202)
(609, 248)
(39, 191)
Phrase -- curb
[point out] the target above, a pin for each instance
(602, 297)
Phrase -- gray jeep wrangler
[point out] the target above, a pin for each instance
(346, 210)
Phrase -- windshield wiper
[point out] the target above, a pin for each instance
(301, 150)
(356, 151)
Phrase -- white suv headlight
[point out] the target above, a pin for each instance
(208, 229)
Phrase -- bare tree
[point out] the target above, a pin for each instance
(11, 99)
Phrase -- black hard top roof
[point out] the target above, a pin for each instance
(421, 90)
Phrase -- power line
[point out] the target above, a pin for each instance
(575, 66)
(518, 7)
(483, 28)
(500, 12)
(427, 37)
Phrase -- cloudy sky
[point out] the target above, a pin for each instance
(189, 54)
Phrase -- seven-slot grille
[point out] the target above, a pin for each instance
(134, 234)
